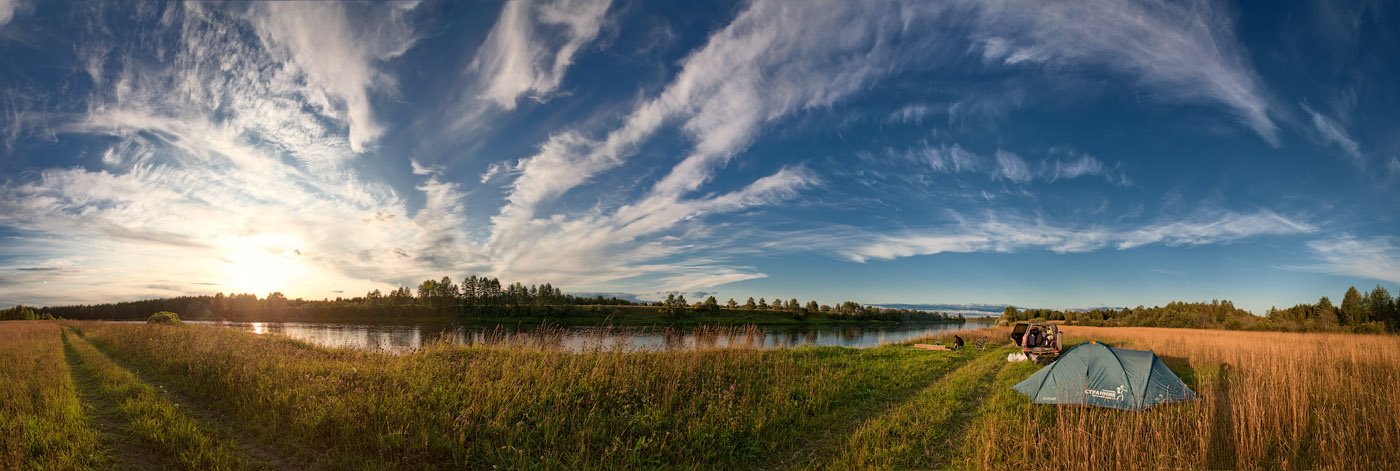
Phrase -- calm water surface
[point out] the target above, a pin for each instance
(404, 338)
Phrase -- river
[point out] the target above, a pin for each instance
(405, 338)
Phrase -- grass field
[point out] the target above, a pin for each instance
(96, 395)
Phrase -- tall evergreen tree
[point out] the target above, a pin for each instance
(1326, 313)
(1353, 310)
(1380, 305)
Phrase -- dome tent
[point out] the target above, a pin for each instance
(1099, 375)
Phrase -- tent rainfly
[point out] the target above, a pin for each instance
(1099, 375)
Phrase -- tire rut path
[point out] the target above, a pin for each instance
(257, 452)
(103, 414)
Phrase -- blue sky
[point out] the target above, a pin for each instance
(1046, 154)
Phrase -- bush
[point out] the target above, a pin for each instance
(1369, 328)
(163, 317)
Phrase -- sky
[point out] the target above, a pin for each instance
(1034, 153)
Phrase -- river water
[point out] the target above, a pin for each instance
(405, 338)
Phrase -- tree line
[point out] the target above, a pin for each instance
(848, 310)
(23, 313)
(1371, 312)
(473, 296)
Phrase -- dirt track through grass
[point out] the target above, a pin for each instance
(256, 452)
(42, 422)
(141, 427)
(102, 415)
(921, 431)
(823, 445)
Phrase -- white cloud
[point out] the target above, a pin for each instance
(947, 159)
(1011, 167)
(1214, 229)
(1186, 51)
(230, 169)
(708, 277)
(1014, 234)
(336, 55)
(1007, 165)
(532, 45)
(1334, 133)
(647, 239)
(1081, 165)
(911, 113)
(492, 171)
(770, 61)
(7, 10)
(1376, 258)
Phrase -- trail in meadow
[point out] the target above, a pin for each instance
(102, 412)
(831, 444)
(1222, 432)
(922, 431)
(257, 452)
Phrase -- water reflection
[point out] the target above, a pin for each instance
(404, 338)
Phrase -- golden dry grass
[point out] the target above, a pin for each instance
(1268, 400)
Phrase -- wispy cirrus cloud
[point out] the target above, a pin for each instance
(1376, 258)
(1185, 51)
(1011, 234)
(532, 45)
(1334, 133)
(770, 61)
(336, 54)
(1011, 167)
(1059, 164)
(1073, 165)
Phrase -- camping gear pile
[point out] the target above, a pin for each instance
(1039, 341)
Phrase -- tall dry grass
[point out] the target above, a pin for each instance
(1268, 400)
(42, 424)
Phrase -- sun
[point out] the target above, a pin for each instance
(262, 264)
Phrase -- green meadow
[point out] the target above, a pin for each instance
(91, 395)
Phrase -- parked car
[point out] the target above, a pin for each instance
(1039, 341)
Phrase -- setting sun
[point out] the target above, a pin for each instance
(262, 264)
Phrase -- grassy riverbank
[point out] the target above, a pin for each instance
(1268, 400)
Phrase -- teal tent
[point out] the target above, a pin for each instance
(1099, 375)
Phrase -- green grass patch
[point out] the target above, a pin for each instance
(149, 416)
(520, 407)
(918, 432)
(42, 425)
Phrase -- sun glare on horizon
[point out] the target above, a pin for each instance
(262, 264)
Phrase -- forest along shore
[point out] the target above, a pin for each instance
(487, 300)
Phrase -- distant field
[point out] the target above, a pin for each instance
(82, 395)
